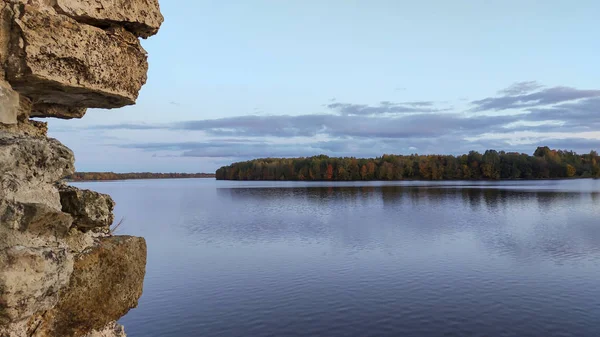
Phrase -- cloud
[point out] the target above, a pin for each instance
(253, 125)
(579, 116)
(552, 116)
(284, 126)
(363, 121)
(521, 98)
(581, 145)
(384, 107)
(418, 103)
(124, 126)
(359, 147)
(245, 149)
(520, 88)
(582, 113)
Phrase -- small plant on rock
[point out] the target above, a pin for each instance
(114, 228)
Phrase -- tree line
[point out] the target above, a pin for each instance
(492, 165)
(87, 176)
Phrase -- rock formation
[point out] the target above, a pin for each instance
(62, 273)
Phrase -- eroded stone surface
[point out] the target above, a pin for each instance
(9, 104)
(55, 59)
(6, 16)
(62, 274)
(28, 128)
(106, 283)
(37, 219)
(141, 17)
(112, 329)
(78, 241)
(30, 165)
(30, 280)
(89, 209)
(45, 110)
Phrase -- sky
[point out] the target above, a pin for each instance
(243, 79)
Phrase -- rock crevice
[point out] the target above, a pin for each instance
(62, 273)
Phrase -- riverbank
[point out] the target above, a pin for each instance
(105, 176)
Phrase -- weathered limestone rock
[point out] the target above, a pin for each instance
(141, 17)
(14, 108)
(78, 241)
(57, 111)
(30, 280)
(105, 284)
(6, 16)
(24, 108)
(36, 219)
(28, 128)
(89, 209)
(55, 59)
(112, 329)
(29, 166)
(34, 264)
(42, 159)
(9, 104)
(61, 271)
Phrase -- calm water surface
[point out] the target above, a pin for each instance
(364, 259)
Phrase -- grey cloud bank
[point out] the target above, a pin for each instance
(520, 98)
(384, 107)
(350, 129)
(520, 88)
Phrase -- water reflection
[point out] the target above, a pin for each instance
(519, 223)
(490, 199)
(365, 259)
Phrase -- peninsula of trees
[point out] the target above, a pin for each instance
(493, 165)
(90, 176)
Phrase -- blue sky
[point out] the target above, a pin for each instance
(234, 80)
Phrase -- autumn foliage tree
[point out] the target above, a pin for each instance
(329, 175)
(491, 165)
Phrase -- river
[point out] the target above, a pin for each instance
(231, 258)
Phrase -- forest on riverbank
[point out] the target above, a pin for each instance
(92, 176)
(545, 163)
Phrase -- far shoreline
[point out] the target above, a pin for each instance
(423, 180)
(209, 176)
(112, 176)
(130, 179)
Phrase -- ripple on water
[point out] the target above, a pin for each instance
(369, 259)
